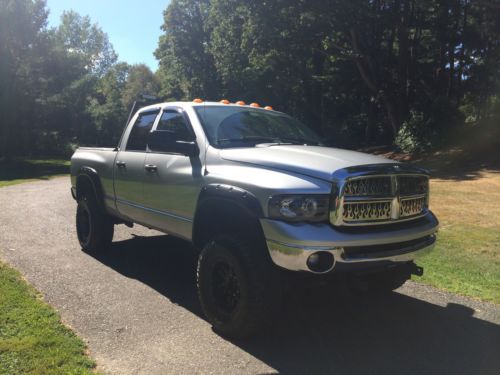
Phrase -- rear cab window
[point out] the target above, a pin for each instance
(138, 138)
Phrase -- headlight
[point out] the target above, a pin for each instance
(299, 207)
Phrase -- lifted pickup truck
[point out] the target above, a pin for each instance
(260, 197)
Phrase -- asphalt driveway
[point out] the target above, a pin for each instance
(136, 307)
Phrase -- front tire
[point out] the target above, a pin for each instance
(238, 287)
(94, 227)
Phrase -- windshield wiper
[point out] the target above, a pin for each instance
(271, 141)
(300, 141)
(248, 139)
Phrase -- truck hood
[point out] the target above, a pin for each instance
(314, 161)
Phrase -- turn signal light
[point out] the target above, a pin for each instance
(240, 102)
(254, 105)
(224, 101)
(197, 100)
(268, 107)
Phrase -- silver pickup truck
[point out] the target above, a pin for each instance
(256, 192)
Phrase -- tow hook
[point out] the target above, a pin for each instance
(416, 270)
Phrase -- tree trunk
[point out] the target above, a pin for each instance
(403, 61)
(372, 82)
(461, 59)
(370, 124)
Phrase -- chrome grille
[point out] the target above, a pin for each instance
(378, 199)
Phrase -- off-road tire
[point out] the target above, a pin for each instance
(258, 295)
(94, 227)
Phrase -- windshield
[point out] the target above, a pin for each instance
(231, 126)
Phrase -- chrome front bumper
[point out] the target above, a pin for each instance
(291, 245)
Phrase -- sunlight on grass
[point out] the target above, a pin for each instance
(467, 256)
(17, 171)
(32, 338)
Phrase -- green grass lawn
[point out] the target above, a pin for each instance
(32, 338)
(465, 196)
(466, 259)
(23, 170)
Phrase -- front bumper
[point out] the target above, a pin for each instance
(291, 245)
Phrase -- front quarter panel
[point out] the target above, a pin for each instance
(264, 183)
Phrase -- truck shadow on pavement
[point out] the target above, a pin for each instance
(320, 332)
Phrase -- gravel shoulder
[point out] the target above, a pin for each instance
(136, 307)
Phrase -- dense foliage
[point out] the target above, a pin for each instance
(358, 71)
(60, 86)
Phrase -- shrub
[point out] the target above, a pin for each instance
(424, 130)
(415, 135)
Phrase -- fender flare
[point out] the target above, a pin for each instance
(236, 196)
(91, 175)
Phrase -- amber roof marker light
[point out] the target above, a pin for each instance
(256, 105)
(224, 101)
(197, 100)
(240, 102)
(269, 108)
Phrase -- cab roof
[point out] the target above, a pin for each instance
(188, 104)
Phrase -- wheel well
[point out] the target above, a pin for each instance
(86, 186)
(218, 216)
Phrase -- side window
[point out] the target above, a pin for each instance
(173, 121)
(138, 137)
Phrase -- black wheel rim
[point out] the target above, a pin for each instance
(83, 225)
(225, 287)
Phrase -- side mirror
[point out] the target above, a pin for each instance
(166, 141)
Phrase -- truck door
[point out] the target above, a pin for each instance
(172, 181)
(129, 172)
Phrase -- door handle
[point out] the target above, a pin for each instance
(121, 164)
(150, 167)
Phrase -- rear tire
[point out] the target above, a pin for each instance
(238, 287)
(94, 227)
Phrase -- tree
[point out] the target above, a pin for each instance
(107, 108)
(87, 41)
(186, 69)
(48, 78)
(355, 69)
(22, 23)
(140, 80)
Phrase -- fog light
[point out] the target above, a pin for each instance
(320, 261)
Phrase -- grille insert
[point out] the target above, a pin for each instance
(412, 206)
(356, 211)
(374, 186)
(413, 185)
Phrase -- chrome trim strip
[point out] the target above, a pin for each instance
(302, 247)
(118, 200)
(415, 196)
(367, 199)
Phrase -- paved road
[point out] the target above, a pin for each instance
(136, 308)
